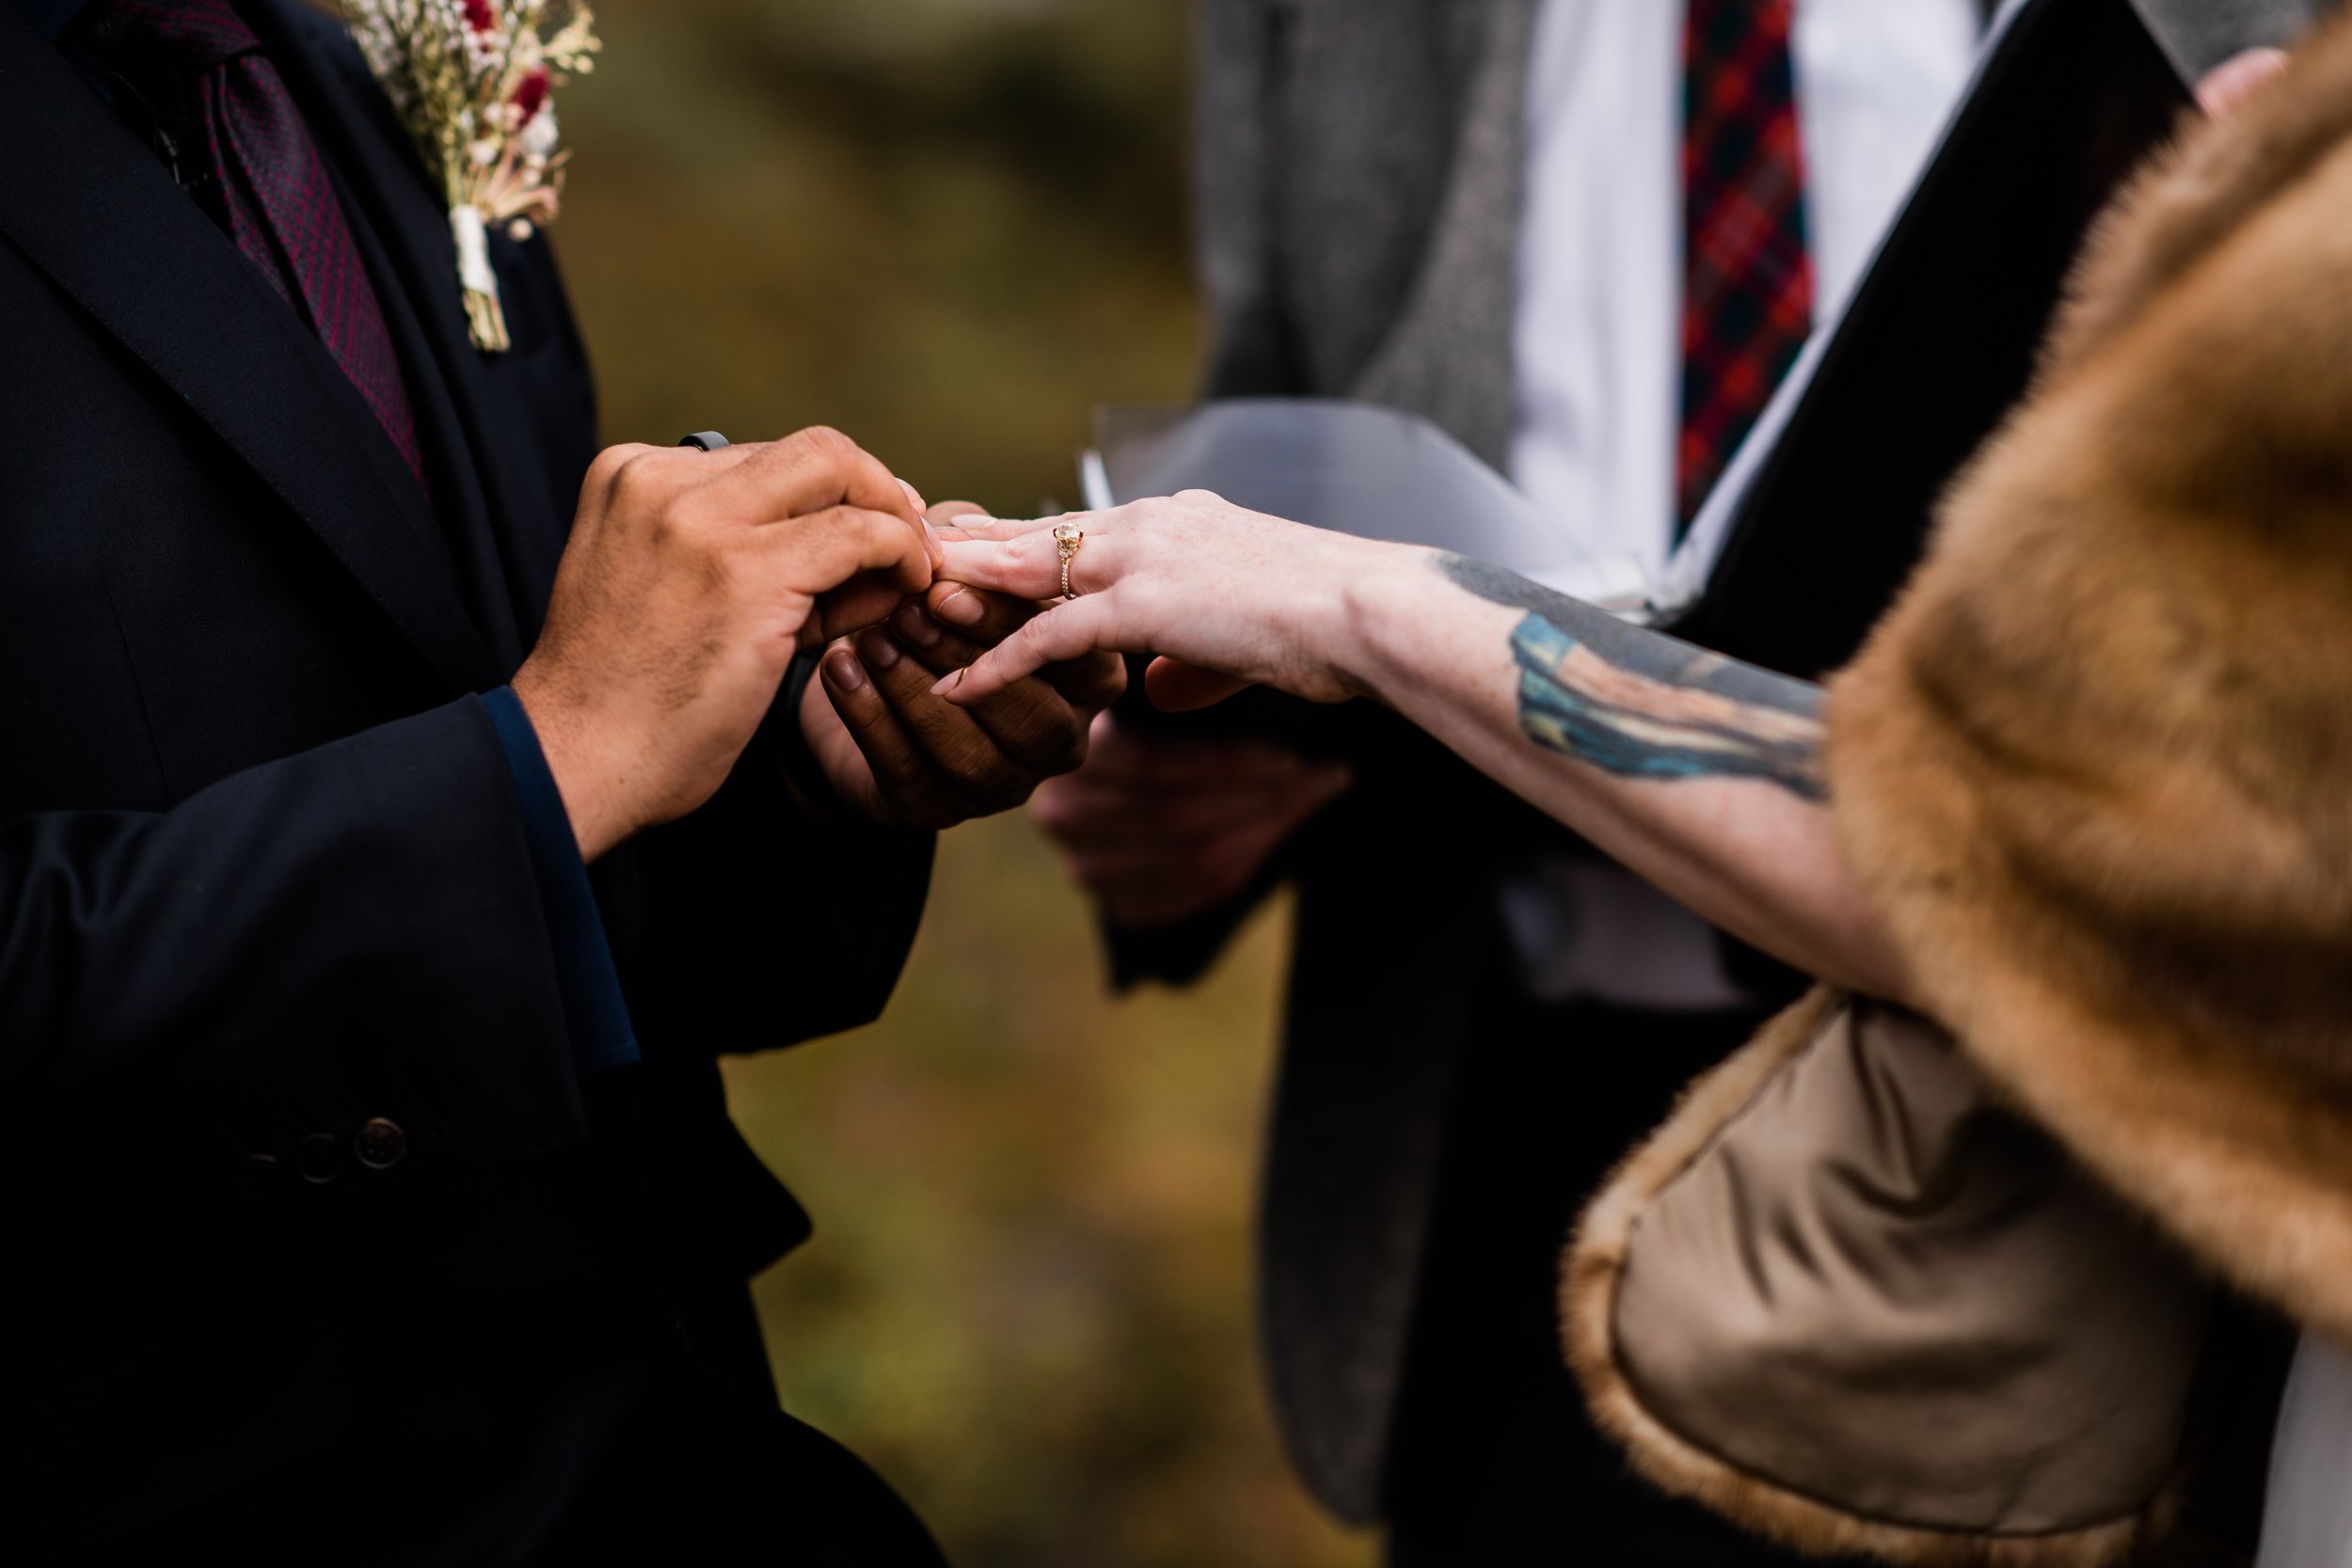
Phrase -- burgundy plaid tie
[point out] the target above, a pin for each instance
(1748, 288)
(265, 184)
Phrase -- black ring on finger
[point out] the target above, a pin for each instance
(707, 440)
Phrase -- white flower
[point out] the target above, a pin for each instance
(540, 137)
(464, 95)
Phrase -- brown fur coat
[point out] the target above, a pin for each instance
(2095, 770)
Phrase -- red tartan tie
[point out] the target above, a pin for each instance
(1747, 302)
(265, 184)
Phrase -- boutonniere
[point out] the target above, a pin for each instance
(474, 82)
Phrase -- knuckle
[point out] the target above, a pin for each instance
(996, 791)
(638, 482)
(1040, 752)
(823, 441)
(1048, 741)
(671, 528)
(901, 769)
(610, 462)
(974, 762)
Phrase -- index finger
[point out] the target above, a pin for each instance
(955, 624)
(1065, 632)
(818, 553)
(810, 471)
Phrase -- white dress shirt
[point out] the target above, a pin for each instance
(1599, 344)
(1599, 348)
(2307, 1518)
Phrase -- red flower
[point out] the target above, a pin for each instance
(479, 16)
(530, 94)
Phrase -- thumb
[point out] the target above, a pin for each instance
(2237, 82)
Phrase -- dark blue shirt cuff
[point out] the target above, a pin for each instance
(594, 1009)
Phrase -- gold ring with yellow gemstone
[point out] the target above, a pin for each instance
(1069, 537)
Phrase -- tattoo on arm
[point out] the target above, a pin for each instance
(1640, 704)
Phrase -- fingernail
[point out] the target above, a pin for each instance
(917, 628)
(913, 494)
(876, 648)
(962, 607)
(844, 671)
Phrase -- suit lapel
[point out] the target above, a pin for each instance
(1448, 357)
(89, 206)
(398, 216)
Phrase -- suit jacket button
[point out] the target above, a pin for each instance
(380, 1144)
(261, 1175)
(318, 1158)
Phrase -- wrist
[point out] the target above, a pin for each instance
(1373, 609)
(584, 775)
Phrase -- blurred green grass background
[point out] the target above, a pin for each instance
(952, 226)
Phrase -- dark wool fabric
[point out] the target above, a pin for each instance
(261, 175)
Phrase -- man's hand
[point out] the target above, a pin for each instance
(690, 581)
(898, 754)
(1162, 828)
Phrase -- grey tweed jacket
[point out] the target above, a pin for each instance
(1360, 169)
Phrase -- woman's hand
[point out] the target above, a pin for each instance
(1228, 598)
(893, 751)
(1700, 774)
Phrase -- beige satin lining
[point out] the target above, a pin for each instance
(1878, 1289)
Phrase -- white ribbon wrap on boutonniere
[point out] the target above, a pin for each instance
(472, 232)
(474, 82)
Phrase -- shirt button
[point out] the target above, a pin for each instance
(380, 1144)
(261, 1175)
(318, 1158)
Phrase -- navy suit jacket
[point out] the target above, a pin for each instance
(265, 889)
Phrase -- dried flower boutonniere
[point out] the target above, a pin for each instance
(473, 80)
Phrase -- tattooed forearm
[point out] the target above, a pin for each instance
(1640, 704)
